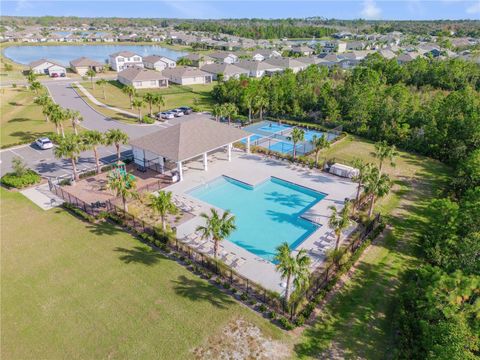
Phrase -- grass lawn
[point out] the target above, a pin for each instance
(21, 119)
(81, 291)
(174, 96)
(9, 70)
(355, 323)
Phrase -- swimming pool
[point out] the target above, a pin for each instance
(266, 215)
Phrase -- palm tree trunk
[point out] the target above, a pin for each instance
(74, 125)
(164, 225)
(294, 150)
(118, 151)
(287, 288)
(372, 203)
(215, 248)
(63, 131)
(337, 243)
(316, 157)
(131, 103)
(97, 161)
(74, 168)
(57, 128)
(249, 114)
(358, 193)
(151, 110)
(380, 167)
(104, 96)
(125, 207)
(261, 114)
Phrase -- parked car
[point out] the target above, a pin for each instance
(186, 110)
(44, 143)
(167, 115)
(62, 74)
(177, 112)
(54, 75)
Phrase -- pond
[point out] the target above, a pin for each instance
(63, 54)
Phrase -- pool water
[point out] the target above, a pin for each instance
(266, 215)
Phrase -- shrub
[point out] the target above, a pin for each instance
(218, 281)
(286, 324)
(78, 212)
(234, 291)
(262, 308)
(300, 320)
(14, 85)
(148, 120)
(252, 302)
(65, 182)
(226, 285)
(307, 311)
(12, 180)
(272, 315)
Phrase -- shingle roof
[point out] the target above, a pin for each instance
(83, 61)
(189, 139)
(140, 74)
(124, 53)
(41, 61)
(184, 71)
(287, 63)
(226, 69)
(196, 57)
(154, 58)
(252, 65)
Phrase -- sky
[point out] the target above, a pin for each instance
(340, 9)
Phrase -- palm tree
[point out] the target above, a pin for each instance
(36, 86)
(149, 98)
(297, 135)
(364, 170)
(216, 227)
(339, 220)
(44, 101)
(70, 147)
(229, 110)
(75, 117)
(377, 185)
(91, 74)
(31, 77)
(123, 185)
(162, 204)
(92, 139)
(291, 266)
(116, 137)
(217, 111)
(319, 143)
(131, 92)
(159, 101)
(102, 83)
(261, 102)
(58, 116)
(383, 152)
(138, 104)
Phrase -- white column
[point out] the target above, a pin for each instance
(248, 145)
(180, 170)
(205, 162)
(229, 152)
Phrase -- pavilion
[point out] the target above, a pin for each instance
(186, 141)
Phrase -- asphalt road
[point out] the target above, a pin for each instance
(45, 163)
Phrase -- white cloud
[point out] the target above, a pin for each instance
(474, 8)
(370, 10)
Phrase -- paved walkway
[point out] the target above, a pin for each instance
(94, 100)
(41, 196)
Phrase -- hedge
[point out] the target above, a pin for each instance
(12, 180)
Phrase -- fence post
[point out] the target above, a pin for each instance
(231, 276)
(247, 286)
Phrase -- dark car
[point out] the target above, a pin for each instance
(186, 110)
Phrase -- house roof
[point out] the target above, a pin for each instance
(197, 57)
(83, 61)
(309, 60)
(226, 69)
(124, 53)
(221, 55)
(42, 61)
(154, 58)
(140, 74)
(184, 71)
(252, 65)
(302, 48)
(286, 63)
(189, 139)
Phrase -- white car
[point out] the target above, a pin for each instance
(167, 115)
(177, 112)
(44, 143)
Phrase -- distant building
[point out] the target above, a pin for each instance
(198, 60)
(225, 57)
(159, 63)
(302, 50)
(141, 78)
(258, 69)
(47, 67)
(185, 75)
(260, 55)
(124, 59)
(83, 64)
(228, 71)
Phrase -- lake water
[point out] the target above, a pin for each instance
(63, 54)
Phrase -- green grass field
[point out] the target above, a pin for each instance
(21, 119)
(355, 324)
(174, 97)
(81, 291)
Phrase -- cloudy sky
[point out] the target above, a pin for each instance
(366, 9)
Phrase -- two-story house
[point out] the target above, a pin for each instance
(124, 59)
(159, 63)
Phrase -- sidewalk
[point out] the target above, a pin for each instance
(98, 103)
(42, 196)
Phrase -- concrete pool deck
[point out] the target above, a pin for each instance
(254, 169)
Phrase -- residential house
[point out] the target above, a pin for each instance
(260, 55)
(330, 60)
(124, 59)
(357, 45)
(386, 53)
(309, 60)
(332, 46)
(186, 75)
(141, 78)
(226, 70)
(224, 57)
(429, 50)
(83, 64)
(48, 67)
(287, 63)
(159, 63)
(199, 60)
(407, 57)
(258, 69)
(302, 50)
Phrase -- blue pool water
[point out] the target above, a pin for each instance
(65, 53)
(266, 215)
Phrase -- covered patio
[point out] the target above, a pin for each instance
(184, 142)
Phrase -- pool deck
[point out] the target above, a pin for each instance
(254, 169)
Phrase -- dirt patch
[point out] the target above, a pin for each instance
(240, 340)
